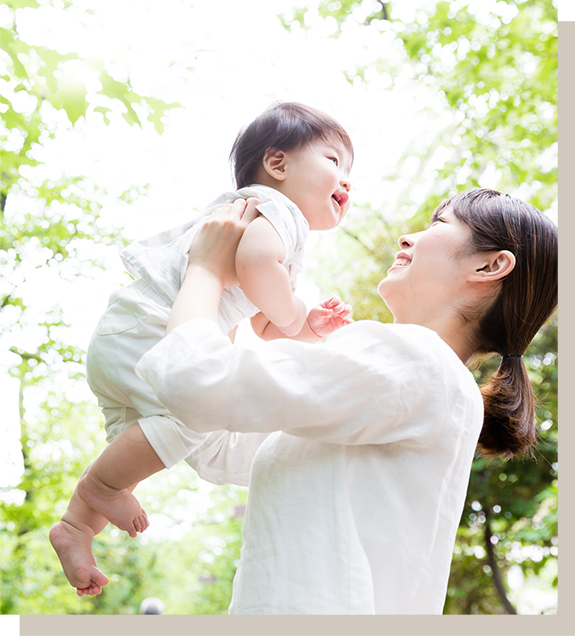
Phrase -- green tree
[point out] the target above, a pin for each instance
(493, 69)
(37, 86)
(206, 557)
(42, 93)
(192, 574)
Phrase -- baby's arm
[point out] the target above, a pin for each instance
(265, 280)
(329, 316)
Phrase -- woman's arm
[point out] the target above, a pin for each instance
(369, 384)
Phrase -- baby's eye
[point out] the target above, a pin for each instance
(334, 159)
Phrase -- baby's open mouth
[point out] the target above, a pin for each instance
(340, 198)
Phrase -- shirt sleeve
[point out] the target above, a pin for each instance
(224, 457)
(369, 383)
(285, 216)
(283, 223)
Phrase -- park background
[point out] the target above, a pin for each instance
(117, 119)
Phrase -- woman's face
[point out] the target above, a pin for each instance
(431, 271)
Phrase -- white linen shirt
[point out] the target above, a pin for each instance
(161, 260)
(360, 451)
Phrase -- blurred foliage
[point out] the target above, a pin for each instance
(206, 558)
(59, 439)
(497, 72)
(42, 91)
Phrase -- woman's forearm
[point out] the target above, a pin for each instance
(199, 297)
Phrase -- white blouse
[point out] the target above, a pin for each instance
(357, 453)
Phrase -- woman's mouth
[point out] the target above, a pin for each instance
(401, 260)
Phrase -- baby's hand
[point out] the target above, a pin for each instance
(329, 316)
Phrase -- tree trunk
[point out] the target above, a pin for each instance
(497, 580)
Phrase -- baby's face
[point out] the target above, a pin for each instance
(317, 181)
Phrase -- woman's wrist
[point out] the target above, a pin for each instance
(199, 296)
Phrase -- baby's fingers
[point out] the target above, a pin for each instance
(332, 302)
(346, 310)
(342, 309)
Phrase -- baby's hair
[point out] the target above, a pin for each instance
(283, 126)
(526, 299)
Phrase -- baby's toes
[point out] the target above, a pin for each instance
(141, 522)
(138, 524)
(133, 532)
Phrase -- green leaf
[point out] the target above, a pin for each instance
(10, 45)
(104, 111)
(20, 4)
(117, 90)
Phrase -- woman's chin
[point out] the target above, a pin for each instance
(383, 288)
(386, 292)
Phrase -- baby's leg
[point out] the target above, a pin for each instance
(106, 486)
(71, 538)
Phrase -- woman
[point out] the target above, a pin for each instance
(358, 451)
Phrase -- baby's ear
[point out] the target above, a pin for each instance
(274, 163)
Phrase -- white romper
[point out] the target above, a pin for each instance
(137, 315)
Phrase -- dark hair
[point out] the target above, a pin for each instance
(283, 126)
(526, 299)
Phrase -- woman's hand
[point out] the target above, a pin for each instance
(214, 248)
(212, 263)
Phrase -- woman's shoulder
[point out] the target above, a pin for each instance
(416, 351)
(410, 367)
(413, 338)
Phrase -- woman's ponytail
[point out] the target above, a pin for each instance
(509, 417)
(526, 299)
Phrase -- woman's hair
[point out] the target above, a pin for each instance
(283, 126)
(526, 299)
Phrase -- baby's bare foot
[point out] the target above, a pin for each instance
(73, 546)
(118, 506)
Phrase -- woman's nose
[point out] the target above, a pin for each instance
(405, 241)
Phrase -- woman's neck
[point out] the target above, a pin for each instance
(451, 330)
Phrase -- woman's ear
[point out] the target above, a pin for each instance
(274, 163)
(493, 266)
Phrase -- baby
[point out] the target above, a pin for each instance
(295, 161)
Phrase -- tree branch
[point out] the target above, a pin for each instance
(384, 15)
(497, 580)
